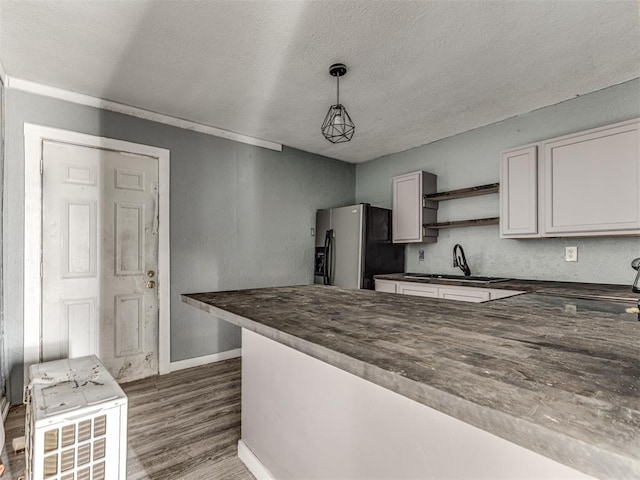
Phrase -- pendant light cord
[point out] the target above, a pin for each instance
(338, 90)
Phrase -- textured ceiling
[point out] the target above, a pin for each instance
(418, 70)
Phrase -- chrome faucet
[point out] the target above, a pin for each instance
(635, 264)
(459, 260)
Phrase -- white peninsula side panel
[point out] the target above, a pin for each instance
(303, 418)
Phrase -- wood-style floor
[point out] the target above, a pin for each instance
(182, 426)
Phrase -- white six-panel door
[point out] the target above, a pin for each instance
(100, 257)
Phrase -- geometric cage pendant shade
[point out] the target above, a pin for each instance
(338, 126)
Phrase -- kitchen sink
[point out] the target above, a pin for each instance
(455, 278)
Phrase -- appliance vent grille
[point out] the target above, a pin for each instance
(70, 457)
(75, 433)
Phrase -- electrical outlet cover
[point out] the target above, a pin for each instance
(571, 254)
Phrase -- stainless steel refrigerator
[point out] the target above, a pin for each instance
(353, 244)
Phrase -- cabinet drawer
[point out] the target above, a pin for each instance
(418, 289)
(464, 294)
(497, 294)
(387, 286)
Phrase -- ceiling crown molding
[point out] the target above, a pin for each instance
(87, 100)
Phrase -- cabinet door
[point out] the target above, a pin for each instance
(346, 268)
(407, 208)
(410, 211)
(385, 286)
(592, 182)
(519, 193)
(464, 294)
(418, 289)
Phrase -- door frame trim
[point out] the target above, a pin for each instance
(34, 135)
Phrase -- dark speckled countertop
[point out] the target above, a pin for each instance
(559, 375)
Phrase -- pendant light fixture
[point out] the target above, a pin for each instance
(338, 126)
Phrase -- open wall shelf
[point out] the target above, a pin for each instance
(477, 222)
(464, 193)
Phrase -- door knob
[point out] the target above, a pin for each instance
(151, 284)
(151, 274)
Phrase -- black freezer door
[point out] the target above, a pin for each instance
(381, 256)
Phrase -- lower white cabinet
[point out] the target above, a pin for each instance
(447, 292)
(387, 286)
(418, 289)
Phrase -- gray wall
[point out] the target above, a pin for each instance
(472, 158)
(240, 216)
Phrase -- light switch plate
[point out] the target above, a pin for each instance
(570, 254)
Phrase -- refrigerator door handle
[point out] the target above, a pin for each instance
(330, 271)
(328, 253)
(326, 257)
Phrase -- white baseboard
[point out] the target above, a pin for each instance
(252, 463)
(205, 359)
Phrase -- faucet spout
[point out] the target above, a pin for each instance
(459, 259)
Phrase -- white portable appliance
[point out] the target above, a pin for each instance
(76, 425)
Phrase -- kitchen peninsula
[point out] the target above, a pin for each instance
(552, 373)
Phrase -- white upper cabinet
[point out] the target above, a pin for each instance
(409, 208)
(519, 193)
(592, 182)
(584, 184)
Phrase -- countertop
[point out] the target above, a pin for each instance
(557, 375)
